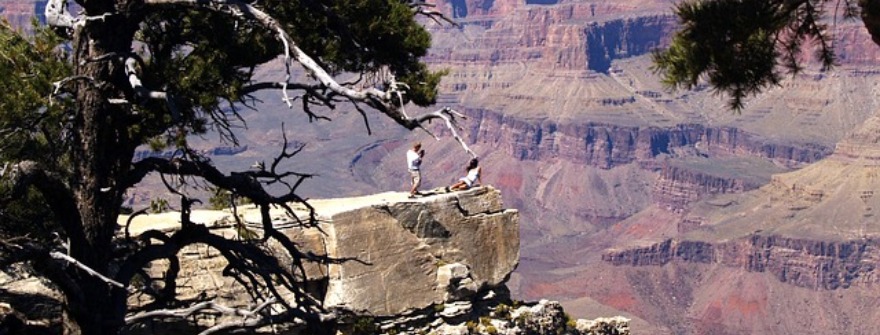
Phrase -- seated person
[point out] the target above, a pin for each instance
(473, 176)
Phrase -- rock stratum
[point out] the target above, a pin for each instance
(606, 146)
(812, 230)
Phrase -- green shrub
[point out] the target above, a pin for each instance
(502, 311)
(570, 323)
(365, 325)
(471, 326)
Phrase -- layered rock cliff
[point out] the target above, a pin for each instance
(685, 181)
(812, 228)
(800, 262)
(617, 39)
(607, 145)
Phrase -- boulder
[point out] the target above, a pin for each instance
(412, 254)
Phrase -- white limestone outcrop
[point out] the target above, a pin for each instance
(400, 254)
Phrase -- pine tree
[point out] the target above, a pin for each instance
(741, 47)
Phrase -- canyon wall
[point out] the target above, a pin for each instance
(560, 36)
(814, 264)
(629, 37)
(606, 145)
(20, 12)
(677, 186)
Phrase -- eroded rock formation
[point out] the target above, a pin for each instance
(607, 145)
(399, 255)
(813, 227)
(622, 38)
(800, 262)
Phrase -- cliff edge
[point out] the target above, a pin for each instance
(436, 263)
(391, 254)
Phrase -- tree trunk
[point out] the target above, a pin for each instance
(871, 18)
(101, 155)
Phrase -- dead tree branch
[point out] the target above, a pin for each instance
(426, 9)
(59, 85)
(388, 102)
(142, 92)
(90, 271)
(183, 313)
(57, 15)
(448, 115)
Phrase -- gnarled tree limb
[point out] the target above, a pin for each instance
(207, 305)
(54, 190)
(131, 65)
(58, 16)
(90, 271)
(387, 102)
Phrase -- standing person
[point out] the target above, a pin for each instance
(473, 176)
(414, 164)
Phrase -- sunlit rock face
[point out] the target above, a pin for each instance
(391, 254)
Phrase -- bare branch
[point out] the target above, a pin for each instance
(278, 85)
(448, 115)
(388, 102)
(207, 305)
(422, 8)
(130, 219)
(364, 116)
(57, 15)
(248, 263)
(378, 99)
(80, 265)
(58, 85)
(131, 70)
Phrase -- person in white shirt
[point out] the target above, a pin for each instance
(414, 164)
(472, 178)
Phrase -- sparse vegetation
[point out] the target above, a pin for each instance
(570, 323)
(502, 311)
(222, 199)
(472, 326)
(365, 325)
